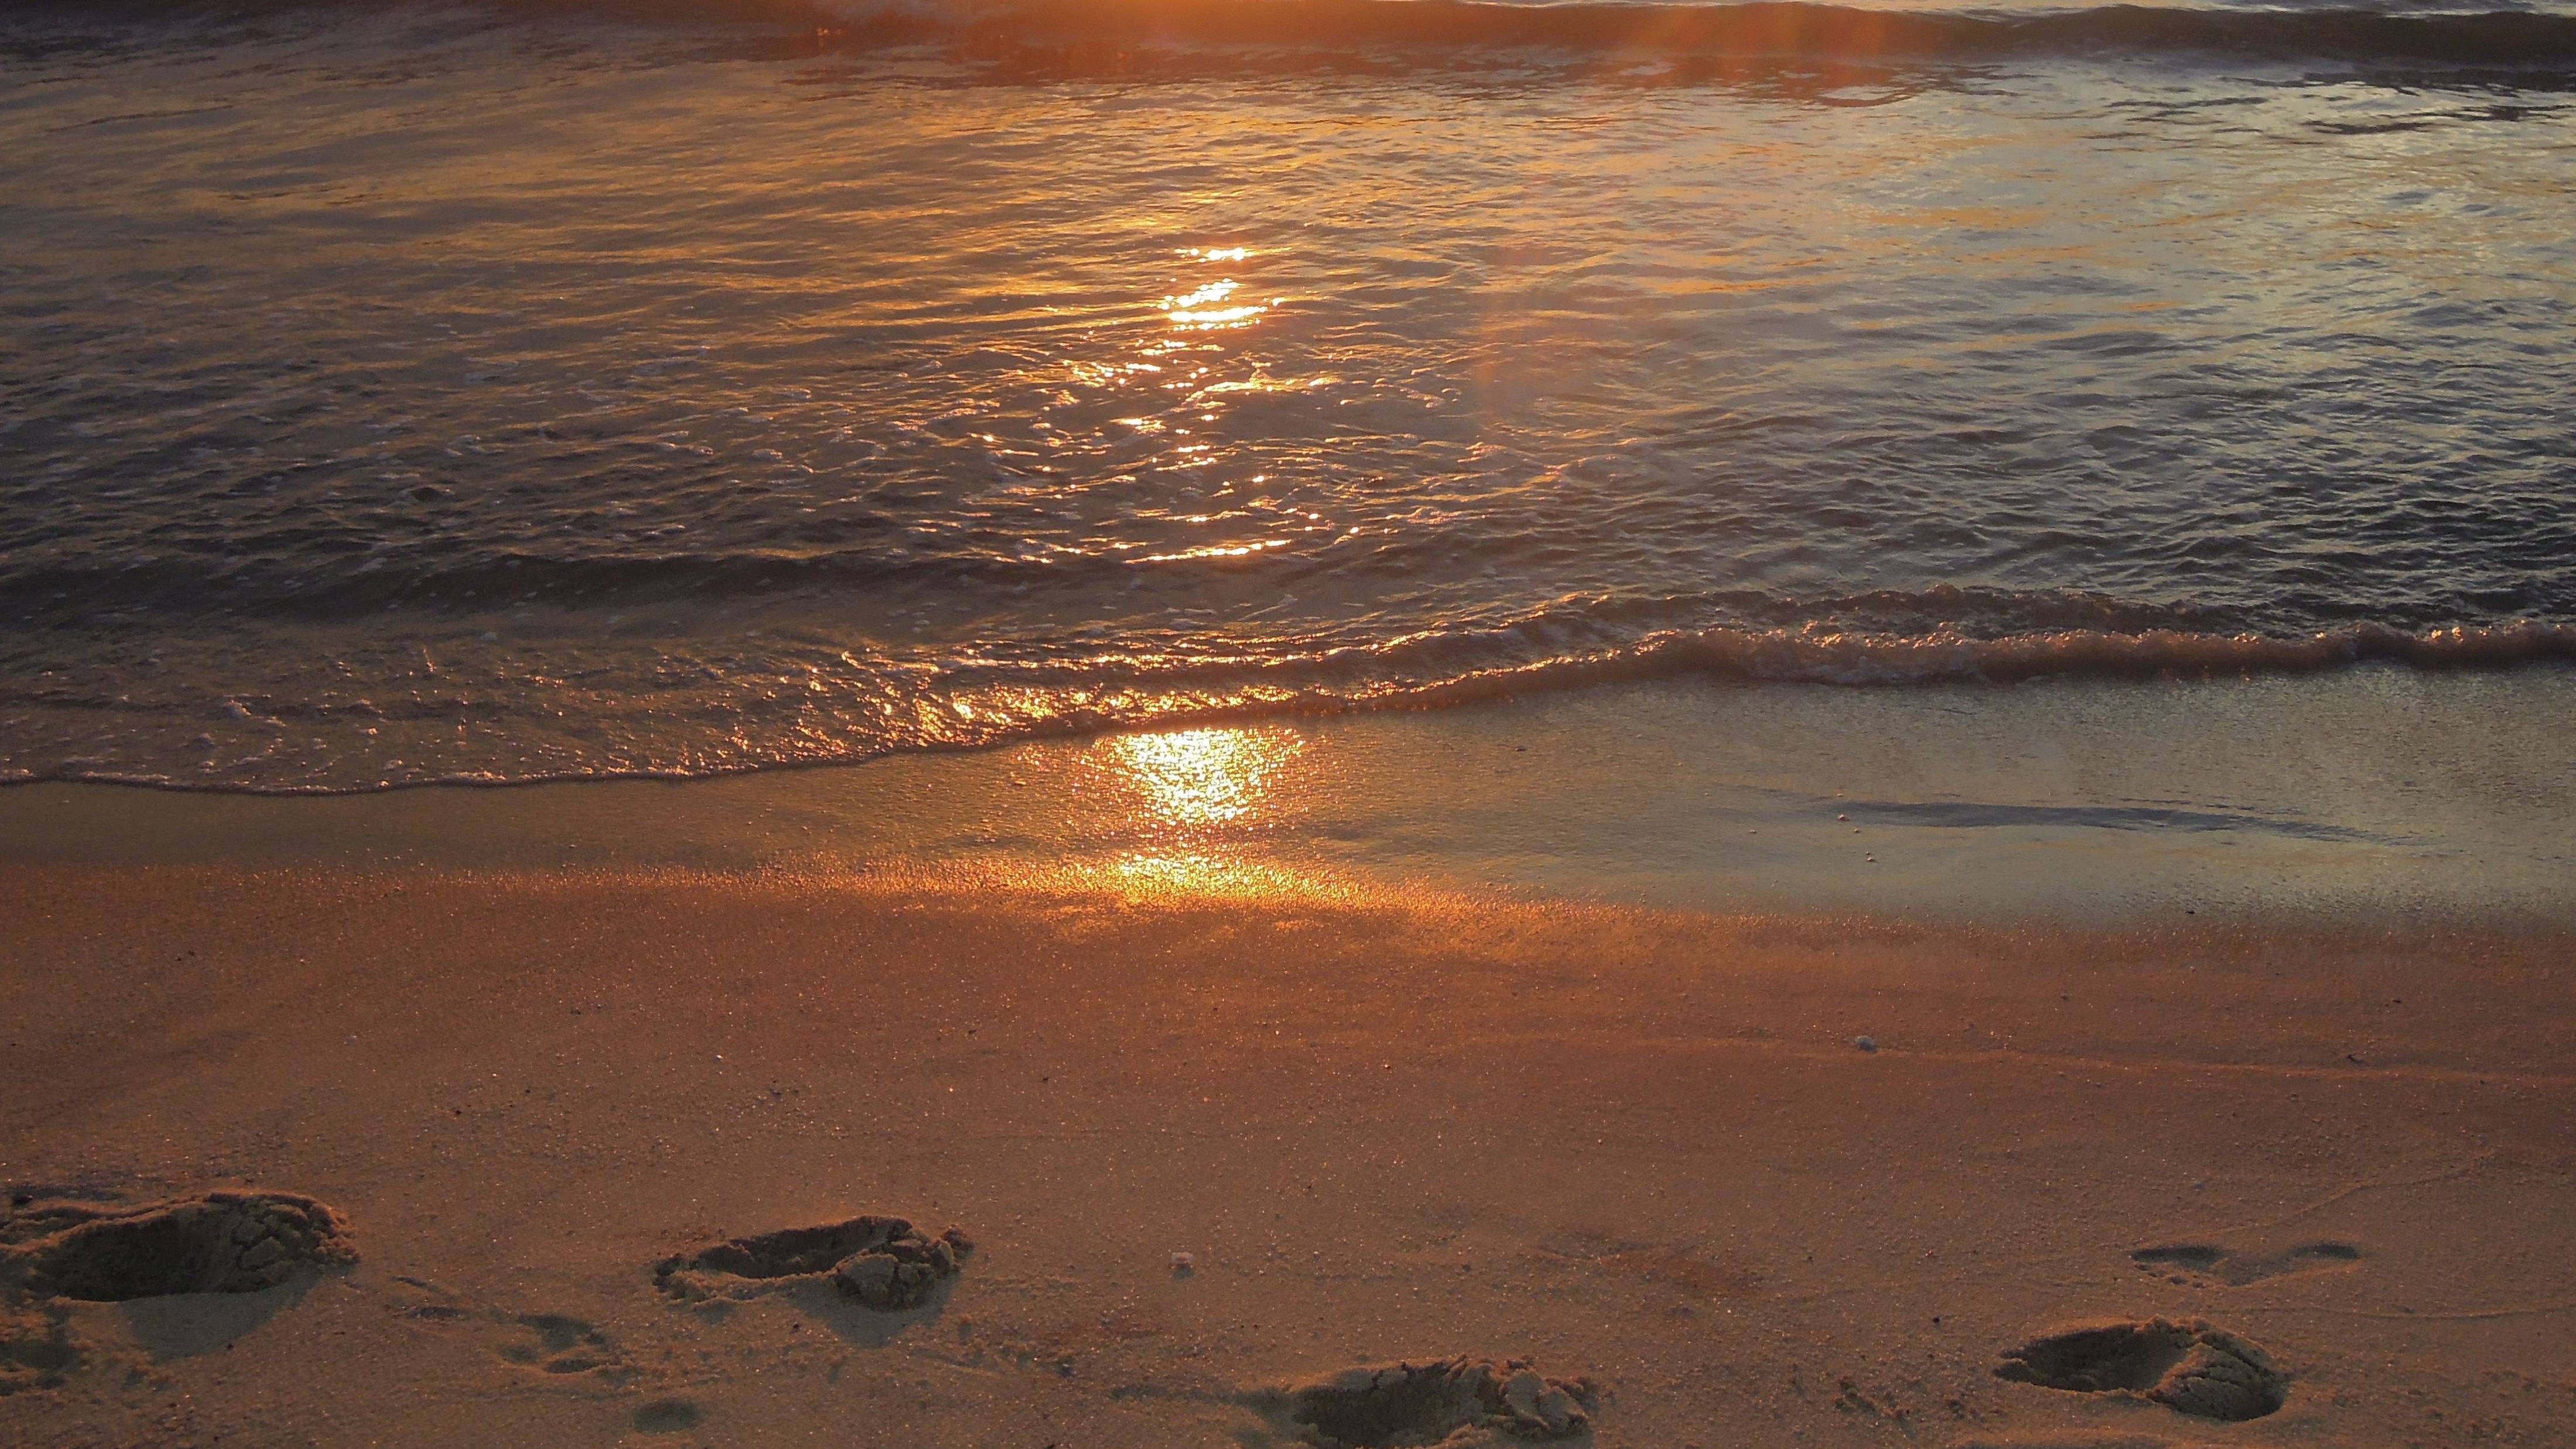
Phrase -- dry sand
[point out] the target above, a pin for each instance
(1640, 1150)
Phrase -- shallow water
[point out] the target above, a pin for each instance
(2378, 795)
(406, 395)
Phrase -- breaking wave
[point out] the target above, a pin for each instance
(980, 704)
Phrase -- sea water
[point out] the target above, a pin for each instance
(395, 393)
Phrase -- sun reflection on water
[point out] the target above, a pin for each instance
(1197, 779)
(1206, 873)
(1186, 801)
(1211, 306)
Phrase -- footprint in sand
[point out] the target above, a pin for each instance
(36, 1350)
(223, 1242)
(1456, 1403)
(880, 1262)
(556, 1344)
(550, 1343)
(60, 1246)
(667, 1416)
(2188, 1366)
(2206, 1265)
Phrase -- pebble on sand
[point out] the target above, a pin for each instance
(1866, 1043)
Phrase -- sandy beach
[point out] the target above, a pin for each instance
(1287, 724)
(1644, 1149)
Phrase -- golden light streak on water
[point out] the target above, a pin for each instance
(1152, 875)
(1238, 550)
(1192, 780)
(1183, 809)
(1209, 307)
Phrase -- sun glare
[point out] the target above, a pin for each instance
(1195, 779)
(1208, 307)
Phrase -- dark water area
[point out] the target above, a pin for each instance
(395, 394)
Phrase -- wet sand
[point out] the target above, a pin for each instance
(1633, 1147)
(2372, 794)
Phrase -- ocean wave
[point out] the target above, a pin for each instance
(1830, 658)
(992, 704)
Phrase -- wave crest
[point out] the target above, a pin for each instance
(979, 705)
(1865, 659)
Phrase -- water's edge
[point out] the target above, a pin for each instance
(2370, 794)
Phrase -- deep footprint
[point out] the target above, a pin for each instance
(2206, 1265)
(880, 1262)
(1454, 1403)
(2189, 1366)
(223, 1242)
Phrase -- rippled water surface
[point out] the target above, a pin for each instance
(409, 395)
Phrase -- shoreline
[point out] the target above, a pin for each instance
(1637, 1146)
(1815, 750)
(2378, 795)
(1571, 1032)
